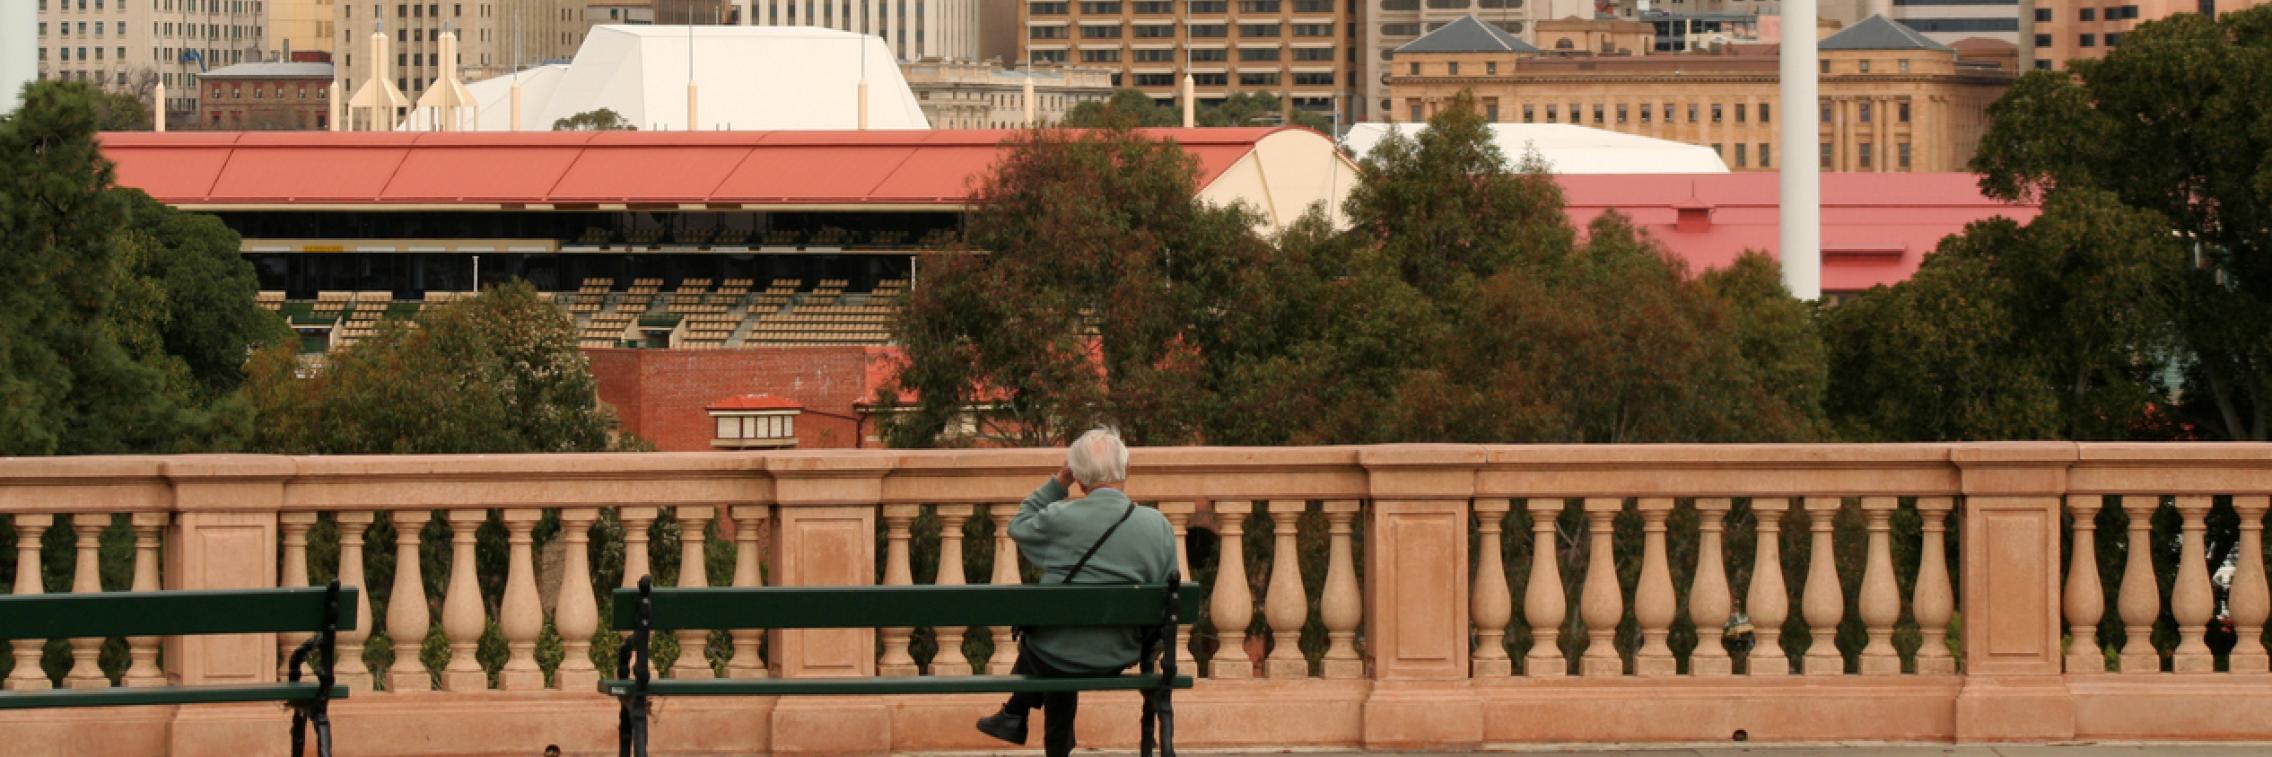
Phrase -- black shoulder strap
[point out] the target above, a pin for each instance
(1100, 544)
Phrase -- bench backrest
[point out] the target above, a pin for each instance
(907, 606)
(170, 613)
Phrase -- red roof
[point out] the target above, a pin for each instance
(755, 402)
(519, 168)
(1876, 227)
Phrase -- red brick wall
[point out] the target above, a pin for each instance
(661, 394)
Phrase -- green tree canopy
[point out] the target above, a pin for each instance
(127, 322)
(1129, 109)
(602, 119)
(497, 373)
(1126, 109)
(2171, 122)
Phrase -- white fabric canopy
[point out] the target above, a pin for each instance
(1569, 149)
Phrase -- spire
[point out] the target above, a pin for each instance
(448, 100)
(378, 101)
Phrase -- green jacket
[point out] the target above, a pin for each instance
(1053, 532)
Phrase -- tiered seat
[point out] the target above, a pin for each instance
(271, 301)
(329, 304)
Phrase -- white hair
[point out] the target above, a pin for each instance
(1098, 457)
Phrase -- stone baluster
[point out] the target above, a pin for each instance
(2250, 602)
(2191, 601)
(1231, 605)
(26, 675)
(576, 613)
(897, 518)
(1601, 604)
(1708, 599)
(1341, 607)
(1179, 518)
(520, 614)
(1824, 604)
(693, 572)
(1934, 603)
(142, 651)
(2085, 598)
(1287, 607)
(1005, 574)
(636, 562)
(1767, 601)
(87, 578)
(950, 661)
(1880, 602)
(749, 521)
(2140, 601)
(1544, 604)
(349, 668)
(293, 527)
(407, 616)
(463, 616)
(1653, 599)
(1489, 602)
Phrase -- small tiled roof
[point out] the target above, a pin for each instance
(1880, 33)
(756, 402)
(1468, 34)
(271, 71)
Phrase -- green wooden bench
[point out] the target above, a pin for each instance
(313, 609)
(647, 610)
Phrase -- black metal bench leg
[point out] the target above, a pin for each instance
(1145, 740)
(323, 733)
(299, 732)
(1166, 708)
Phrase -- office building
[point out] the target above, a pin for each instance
(2069, 30)
(494, 37)
(1952, 21)
(135, 44)
(913, 29)
(297, 26)
(1892, 99)
(1298, 50)
(983, 95)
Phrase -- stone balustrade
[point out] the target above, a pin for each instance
(1405, 596)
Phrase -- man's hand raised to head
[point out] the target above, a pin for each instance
(1065, 476)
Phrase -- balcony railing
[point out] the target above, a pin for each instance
(1418, 596)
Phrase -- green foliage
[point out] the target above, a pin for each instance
(2170, 123)
(602, 119)
(1129, 109)
(1126, 109)
(126, 320)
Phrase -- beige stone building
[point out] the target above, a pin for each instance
(298, 26)
(1892, 100)
(1299, 50)
(972, 95)
(494, 36)
(132, 44)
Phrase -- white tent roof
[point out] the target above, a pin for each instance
(747, 78)
(1571, 149)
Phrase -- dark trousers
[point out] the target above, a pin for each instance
(1057, 709)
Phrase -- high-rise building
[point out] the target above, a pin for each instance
(1891, 98)
(913, 29)
(135, 44)
(1299, 50)
(2068, 30)
(1951, 21)
(298, 26)
(494, 37)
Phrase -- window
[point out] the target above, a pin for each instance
(1313, 53)
(1257, 54)
(1865, 66)
(1621, 113)
(1313, 30)
(1446, 5)
(1210, 55)
(1049, 56)
(1692, 112)
(1904, 147)
(1314, 79)
(1100, 32)
(1491, 68)
(1646, 111)
(2043, 15)
(1258, 6)
(1198, 31)
(1826, 155)
(1259, 79)
(1864, 111)
(1041, 32)
(2088, 14)
(1763, 156)
(2089, 40)
(1101, 9)
(1553, 114)
(1715, 112)
(1101, 56)
(1258, 30)
(1902, 65)
(1155, 80)
(2113, 38)
(1200, 7)
(738, 430)
(1529, 115)
(1416, 115)
(1452, 68)
(1313, 6)
(1864, 149)
(1826, 112)
(1740, 157)
(1491, 109)
(1046, 9)
(1826, 66)
(1155, 31)
(1400, 5)
(1155, 8)
(1901, 112)
(1415, 69)
(1398, 30)
(1597, 115)
(1210, 80)
(1154, 56)
(1739, 112)
(1764, 117)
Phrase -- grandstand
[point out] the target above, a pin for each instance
(695, 241)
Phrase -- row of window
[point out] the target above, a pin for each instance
(1648, 112)
(187, 6)
(2084, 40)
(1902, 65)
(260, 91)
(1163, 7)
(1245, 79)
(1211, 55)
(188, 31)
(1167, 31)
(64, 53)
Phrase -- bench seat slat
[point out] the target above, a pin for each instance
(122, 695)
(905, 606)
(169, 613)
(903, 685)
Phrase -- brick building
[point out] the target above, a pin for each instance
(1300, 50)
(266, 97)
(670, 397)
(2070, 30)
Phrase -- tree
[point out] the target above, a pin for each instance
(602, 119)
(2157, 124)
(127, 323)
(498, 373)
(1105, 293)
(1126, 109)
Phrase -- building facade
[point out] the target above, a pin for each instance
(135, 44)
(265, 97)
(494, 37)
(1390, 24)
(1298, 50)
(1892, 100)
(2069, 30)
(1951, 21)
(914, 29)
(973, 95)
(298, 26)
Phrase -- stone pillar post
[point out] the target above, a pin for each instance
(2013, 690)
(463, 617)
(1416, 560)
(142, 668)
(224, 537)
(824, 534)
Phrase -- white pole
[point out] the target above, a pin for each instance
(1801, 174)
(19, 51)
(158, 117)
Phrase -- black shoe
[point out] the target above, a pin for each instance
(1005, 725)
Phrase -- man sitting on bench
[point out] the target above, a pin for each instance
(1101, 537)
